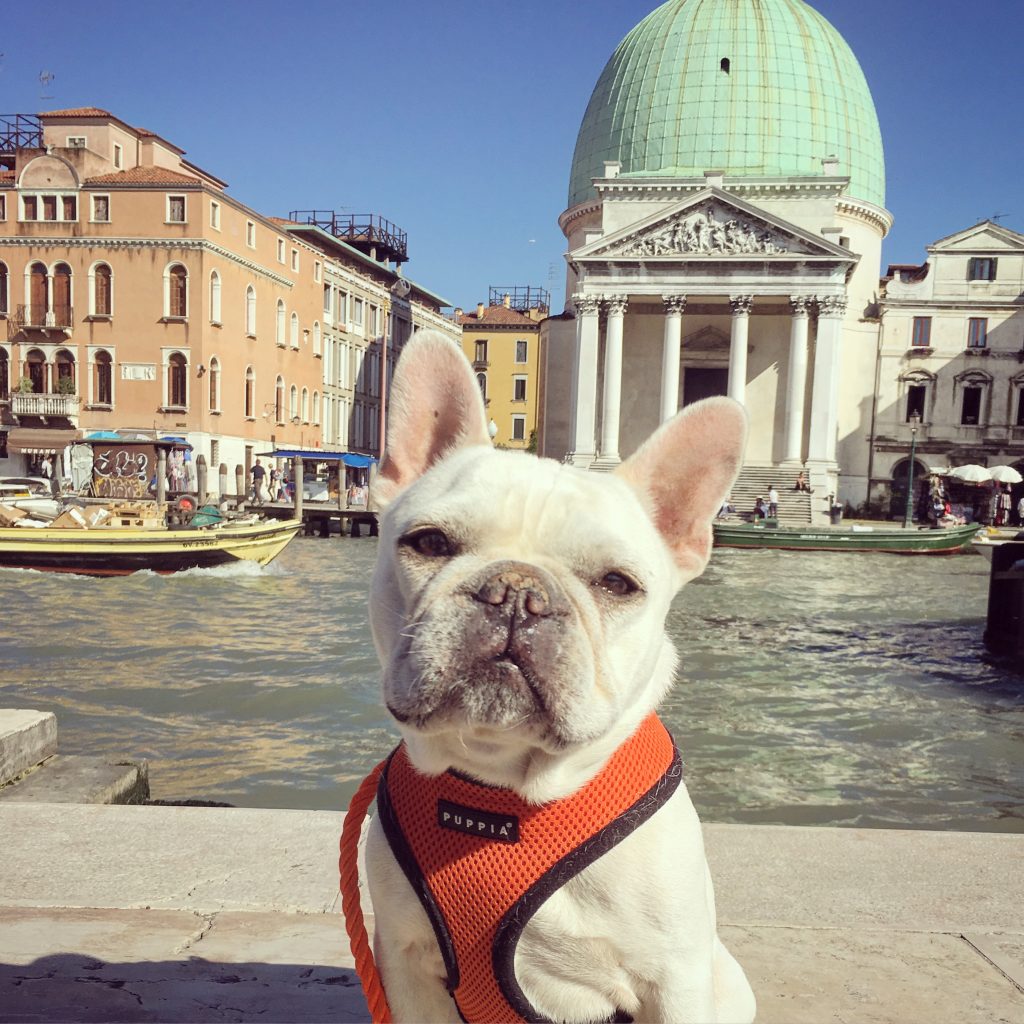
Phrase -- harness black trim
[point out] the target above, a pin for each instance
(511, 926)
(407, 860)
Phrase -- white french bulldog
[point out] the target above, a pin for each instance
(518, 609)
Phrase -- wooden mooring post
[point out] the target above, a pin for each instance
(1004, 631)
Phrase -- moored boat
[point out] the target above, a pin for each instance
(117, 551)
(879, 538)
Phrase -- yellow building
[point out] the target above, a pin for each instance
(502, 342)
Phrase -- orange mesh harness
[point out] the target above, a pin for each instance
(482, 860)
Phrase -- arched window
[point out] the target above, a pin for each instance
(305, 405)
(316, 408)
(481, 379)
(62, 296)
(250, 311)
(5, 374)
(214, 297)
(279, 400)
(316, 337)
(176, 293)
(214, 373)
(65, 363)
(5, 293)
(35, 370)
(295, 330)
(293, 402)
(918, 387)
(102, 287)
(250, 393)
(102, 379)
(280, 322)
(177, 381)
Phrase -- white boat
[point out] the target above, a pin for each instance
(31, 494)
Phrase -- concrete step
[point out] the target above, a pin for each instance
(27, 738)
(73, 779)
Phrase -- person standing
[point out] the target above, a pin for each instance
(258, 475)
(1020, 511)
(773, 502)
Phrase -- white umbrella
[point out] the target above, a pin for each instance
(971, 474)
(1005, 475)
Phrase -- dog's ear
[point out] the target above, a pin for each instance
(685, 471)
(436, 407)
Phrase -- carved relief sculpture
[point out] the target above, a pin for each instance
(708, 232)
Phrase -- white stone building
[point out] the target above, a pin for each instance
(724, 228)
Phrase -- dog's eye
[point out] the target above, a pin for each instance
(618, 584)
(429, 543)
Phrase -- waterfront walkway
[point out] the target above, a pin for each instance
(206, 914)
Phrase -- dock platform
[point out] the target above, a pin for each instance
(215, 914)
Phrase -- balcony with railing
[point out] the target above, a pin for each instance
(46, 406)
(36, 317)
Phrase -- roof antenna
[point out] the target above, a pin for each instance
(45, 78)
(997, 217)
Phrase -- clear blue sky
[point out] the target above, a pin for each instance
(456, 119)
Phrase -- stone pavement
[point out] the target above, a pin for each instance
(123, 913)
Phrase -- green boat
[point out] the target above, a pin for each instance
(883, 537)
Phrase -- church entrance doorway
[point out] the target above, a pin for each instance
(704, 382)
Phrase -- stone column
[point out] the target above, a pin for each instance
(741, 306)
(670, 352)
(588, 312)
(615, 306)
(825, 383)
(797, 378)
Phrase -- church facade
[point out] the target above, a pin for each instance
(724, 228)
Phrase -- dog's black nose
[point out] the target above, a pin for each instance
(516, 587)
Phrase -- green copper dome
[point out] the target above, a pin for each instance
(750, 87)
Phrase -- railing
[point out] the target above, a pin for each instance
(30, 404)
(363, 229)
(29, 316)
(20, 131)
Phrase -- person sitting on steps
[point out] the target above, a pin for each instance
(801, 483)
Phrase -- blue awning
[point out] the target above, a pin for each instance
(346, 458)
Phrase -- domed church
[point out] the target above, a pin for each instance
(725, 217)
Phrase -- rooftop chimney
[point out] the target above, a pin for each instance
(506, 300)
(479, 311)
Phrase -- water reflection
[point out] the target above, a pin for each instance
(814, 688)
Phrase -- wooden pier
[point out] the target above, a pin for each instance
(320, 519)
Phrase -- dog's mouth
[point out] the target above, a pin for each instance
(502, 692)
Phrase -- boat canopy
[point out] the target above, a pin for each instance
(317, 455)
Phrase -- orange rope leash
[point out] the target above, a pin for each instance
(373, 987)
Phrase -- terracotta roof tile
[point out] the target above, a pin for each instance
(283, 220)
(79, 112)
(143, 176)
(6, 175)
(495, 315)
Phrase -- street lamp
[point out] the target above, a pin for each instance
(915, 422)
(492, 429)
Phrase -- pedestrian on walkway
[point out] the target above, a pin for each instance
(258, 475)
(773, 501)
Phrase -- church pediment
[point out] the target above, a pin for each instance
(712, 225)
(987, 237)
(707, 339)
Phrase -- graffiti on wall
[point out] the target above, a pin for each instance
(122, 471)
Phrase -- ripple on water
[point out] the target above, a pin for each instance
(813, 688)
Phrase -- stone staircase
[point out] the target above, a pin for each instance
(794, 506)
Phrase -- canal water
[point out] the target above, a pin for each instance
(815, 688)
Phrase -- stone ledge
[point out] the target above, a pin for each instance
(27, 738)
(73, 779)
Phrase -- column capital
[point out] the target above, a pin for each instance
(741, 304)
(615, 305)
(832, 305)
(586, 304)
(674, 303)
(800, 304)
